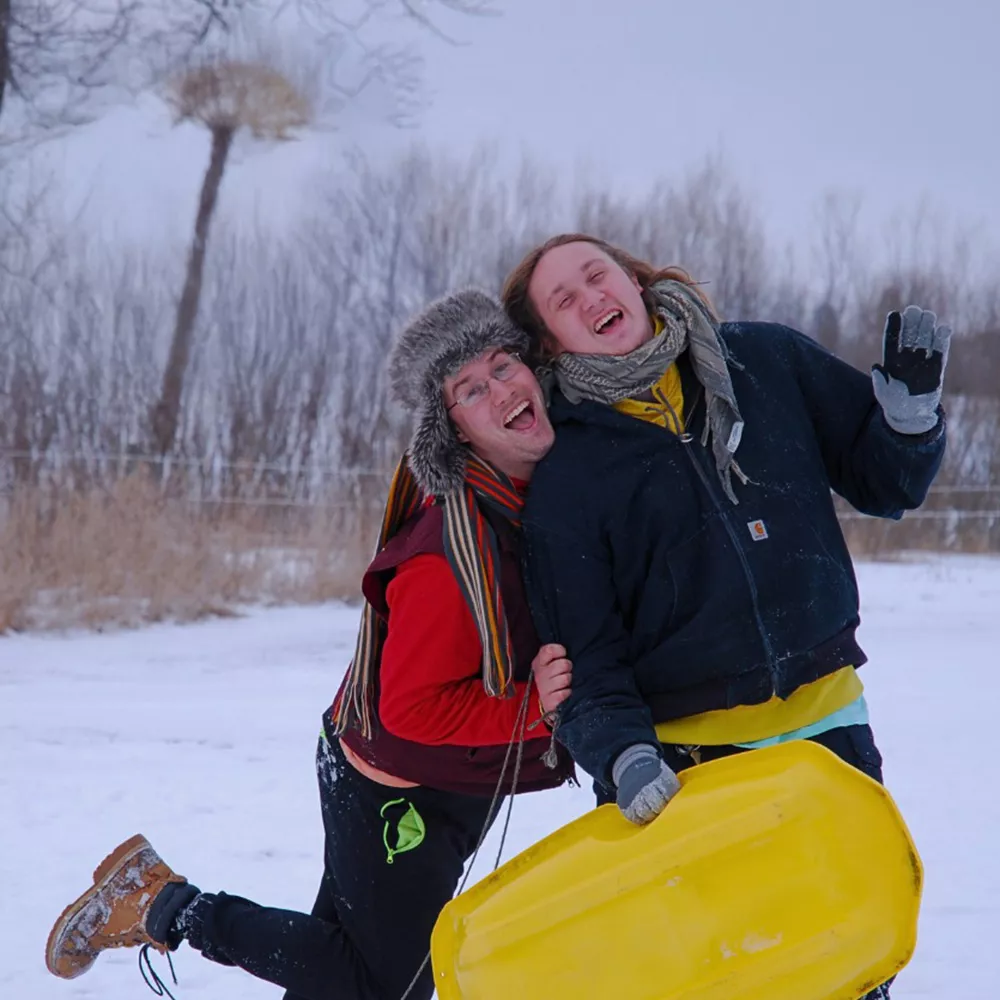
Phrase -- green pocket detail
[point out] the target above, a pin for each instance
(410, 830)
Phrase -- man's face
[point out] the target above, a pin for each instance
(588, 303)
(496, 405)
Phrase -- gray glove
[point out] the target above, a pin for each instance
(908, 382)
(645, 784)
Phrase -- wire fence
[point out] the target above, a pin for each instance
(131, 460)
(210, 480)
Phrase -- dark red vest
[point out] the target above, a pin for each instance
(468, 770)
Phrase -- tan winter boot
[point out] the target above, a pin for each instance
(115, 911)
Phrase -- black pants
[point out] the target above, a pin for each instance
(854, 745)
(370, 927)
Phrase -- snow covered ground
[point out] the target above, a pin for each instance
(202, 737)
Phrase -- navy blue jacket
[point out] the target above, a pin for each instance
(671, 600)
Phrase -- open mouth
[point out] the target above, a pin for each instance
(521, 418)
(609, 322)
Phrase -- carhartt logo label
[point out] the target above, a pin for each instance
(758, 530)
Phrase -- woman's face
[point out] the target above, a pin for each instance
(588, 303)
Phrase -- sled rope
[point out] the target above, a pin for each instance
(516, 737)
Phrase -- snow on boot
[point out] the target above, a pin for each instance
(132, 902)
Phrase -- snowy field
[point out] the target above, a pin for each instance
(202, 738)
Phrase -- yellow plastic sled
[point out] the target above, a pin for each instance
(781, 874)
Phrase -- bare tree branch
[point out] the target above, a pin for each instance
(224, 96)
(417, 10)
(61, 58)
(58, 52)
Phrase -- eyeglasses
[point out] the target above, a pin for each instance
(504, 369)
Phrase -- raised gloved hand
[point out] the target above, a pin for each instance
(908, 382)
(645, 784)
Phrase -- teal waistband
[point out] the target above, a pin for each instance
(854, 714)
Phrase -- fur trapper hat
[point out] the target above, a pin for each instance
(448, 334)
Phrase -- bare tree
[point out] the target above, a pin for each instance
(837, 246)
(838, 266)
(5, 25)
(227, 94)
(223, 96)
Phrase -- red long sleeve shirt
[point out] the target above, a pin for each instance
(431, 688)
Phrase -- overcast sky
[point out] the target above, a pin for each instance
(896, 99)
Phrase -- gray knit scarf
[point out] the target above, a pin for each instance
(687, 325)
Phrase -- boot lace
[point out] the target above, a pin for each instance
(151, 977)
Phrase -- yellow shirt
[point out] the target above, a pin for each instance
(747, 723)
(665, 409)
(744, 723)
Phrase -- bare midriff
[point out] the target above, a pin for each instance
(373, 773)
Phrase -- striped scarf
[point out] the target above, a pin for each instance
(470, 545)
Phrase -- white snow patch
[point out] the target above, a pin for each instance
(203, 738)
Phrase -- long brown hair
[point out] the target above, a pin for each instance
(522, 311)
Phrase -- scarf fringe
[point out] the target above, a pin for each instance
(471, 548)
(355, 707)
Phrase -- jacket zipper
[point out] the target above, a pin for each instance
(686, 439)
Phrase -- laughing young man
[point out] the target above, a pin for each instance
(413, 748)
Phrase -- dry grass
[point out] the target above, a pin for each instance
(127, 554)
(873, 538)
(134, 550)
(964, 520)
